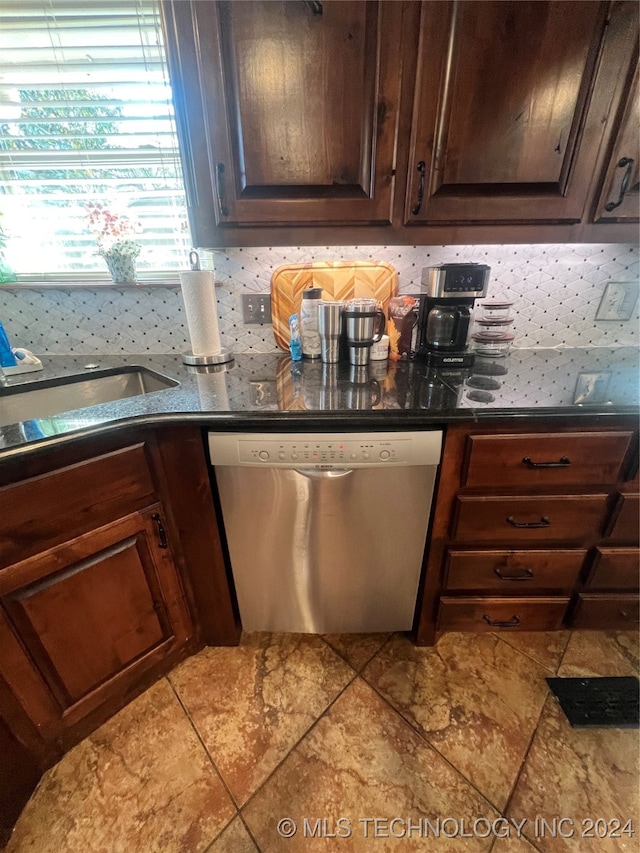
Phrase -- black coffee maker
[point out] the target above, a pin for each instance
(444, 313)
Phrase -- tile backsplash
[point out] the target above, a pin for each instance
(556, 289)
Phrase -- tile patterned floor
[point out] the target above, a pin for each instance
(462, 744)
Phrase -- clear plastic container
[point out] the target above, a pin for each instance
(493, 327)
(496, 310)
(492, 345)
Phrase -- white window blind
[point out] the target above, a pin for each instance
(86, 116)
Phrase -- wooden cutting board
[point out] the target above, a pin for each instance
(339, 280)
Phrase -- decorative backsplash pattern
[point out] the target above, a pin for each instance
(556, 289)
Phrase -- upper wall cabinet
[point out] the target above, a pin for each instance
(513, 103)
(396, 121)
(300, 103)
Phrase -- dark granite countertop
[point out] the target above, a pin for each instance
(266, 391)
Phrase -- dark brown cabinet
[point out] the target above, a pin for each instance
(395, 121)
(525, 531)
(300, 108)
(512, 107)
(89, 617)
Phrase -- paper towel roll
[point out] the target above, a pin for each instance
(198, 292)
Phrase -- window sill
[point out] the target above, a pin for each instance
(72, 280)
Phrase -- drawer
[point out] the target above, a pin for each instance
(615, 569)
(545, 518)
(45, 511)
(607, 612)
(506, 572)
(501, 614)
(546, 459)
(625, 521)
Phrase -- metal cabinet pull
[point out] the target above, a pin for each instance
(162, 534)
(526, 575)
(627, 164)
(224, 210)
(529, 525)
(563, 462)
(496, 623)
(422, 168)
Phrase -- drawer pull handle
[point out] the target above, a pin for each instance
(496, 623)
(529, 525)
(527, 575)
(563, 462)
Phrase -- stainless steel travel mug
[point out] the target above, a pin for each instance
(329, 327)
(365, 324)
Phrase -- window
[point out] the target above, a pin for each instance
(86, 116)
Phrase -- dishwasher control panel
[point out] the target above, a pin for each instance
(325, 451)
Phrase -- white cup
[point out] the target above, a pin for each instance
(380, 349)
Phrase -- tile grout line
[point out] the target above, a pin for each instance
(530, 657)
(302, 737)
(368, 661)
(211, 761)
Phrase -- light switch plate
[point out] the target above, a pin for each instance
(618, 301)
(256, 308)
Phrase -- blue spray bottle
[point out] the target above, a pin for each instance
(7, 358)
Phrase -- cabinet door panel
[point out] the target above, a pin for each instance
(301, 109)
(620, 198)
(607, 612)
(615, 569)
(95, 610)
(508, 115)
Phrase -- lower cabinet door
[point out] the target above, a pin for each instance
(501, 614)
(81, 622)
(607, 612)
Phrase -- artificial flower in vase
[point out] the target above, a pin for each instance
(114, 233)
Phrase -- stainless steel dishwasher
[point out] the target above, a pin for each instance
(326, 532)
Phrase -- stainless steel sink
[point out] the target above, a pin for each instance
(54, 396)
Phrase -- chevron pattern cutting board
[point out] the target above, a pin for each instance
(339, 280)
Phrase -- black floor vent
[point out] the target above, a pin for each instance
(599, 702)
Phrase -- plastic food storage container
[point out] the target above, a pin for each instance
(492, 345)
(496, 310)
(493, 327)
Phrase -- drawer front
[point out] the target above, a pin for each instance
(626, 520)
(607, 612)
(45, 511)
(546, 459)
(507, 572)
(501, 614)
(570, 518)
(615, 569)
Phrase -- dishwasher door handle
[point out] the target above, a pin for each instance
(324, 475)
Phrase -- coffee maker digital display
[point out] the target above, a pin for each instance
(444, 315)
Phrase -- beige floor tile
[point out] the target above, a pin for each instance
(578, 774)
(601, 653)
(234, 839)
(252, 703)
(545, 647)
(356, 649)
(363, 761)
(141, 782)
(476, 699)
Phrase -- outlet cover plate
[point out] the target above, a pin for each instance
(618, 301)
(256, 308)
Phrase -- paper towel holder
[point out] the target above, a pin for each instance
(221, 357)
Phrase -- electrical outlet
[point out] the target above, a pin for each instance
(618, 301)
(256, 308)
